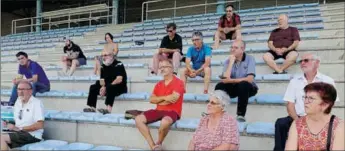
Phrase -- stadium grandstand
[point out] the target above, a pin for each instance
(41, 29)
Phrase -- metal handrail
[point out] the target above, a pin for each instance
(181, 7)
(69, 20)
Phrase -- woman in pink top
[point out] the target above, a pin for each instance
(217, 130)
(311, 131)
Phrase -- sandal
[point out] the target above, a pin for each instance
(89, 110)
(103, 111)
(158, 147)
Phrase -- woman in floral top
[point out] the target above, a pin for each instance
(217, 130)
(311, 131)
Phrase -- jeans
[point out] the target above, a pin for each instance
(36, 87)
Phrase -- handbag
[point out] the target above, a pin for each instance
(329, 134)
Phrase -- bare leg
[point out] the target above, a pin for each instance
(140, 122)
(5, 139)
(269, 59)
(237, 35)
(164, 129)
(74, 65)
(176, 61)
(97, 70)
(64, 64)
(183, 76)
(207, 78)
(155, 63)
(217, 37)
(290, 60)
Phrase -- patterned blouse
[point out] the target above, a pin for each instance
(309, 141)
(226, 133)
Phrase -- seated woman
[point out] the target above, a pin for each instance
(109, 46)
(217, 130)
(73, 58)
(311, 132)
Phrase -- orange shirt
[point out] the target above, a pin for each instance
(163, 90)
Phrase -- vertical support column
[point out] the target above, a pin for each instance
(220, 7)
(38, 15)
(115, 11)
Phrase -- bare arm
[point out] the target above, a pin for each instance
(156, 99)
(172, 98)
(116, 49)
(188, 66)
(291, 110)
(293, 46)
(191, 145)
(338, 143)
(206, 64)
(117, 80)
(271, 46)
(238, 27)
(291, 143)
(38, 125)
(227, 72)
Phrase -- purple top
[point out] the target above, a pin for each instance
(34, 69)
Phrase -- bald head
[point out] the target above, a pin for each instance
(283, 21)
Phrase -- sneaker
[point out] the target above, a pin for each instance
(241, 118)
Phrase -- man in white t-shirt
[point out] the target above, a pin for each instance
(309, 64)
(29, 118)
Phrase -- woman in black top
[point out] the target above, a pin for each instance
(73, 58)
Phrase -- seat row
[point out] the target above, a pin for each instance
(251, 12)
(53, 31)
(24, 47)
(208, 31)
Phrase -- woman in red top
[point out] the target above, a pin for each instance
(311, 131)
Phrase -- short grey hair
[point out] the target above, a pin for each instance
(197, 34)
(25, 82)
(223, 98)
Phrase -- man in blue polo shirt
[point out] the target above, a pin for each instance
(200, 56)
(33, 73)
(238, 77)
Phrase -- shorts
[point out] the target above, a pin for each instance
(229, 35)
(21, 138)
(157, 115)
(82, 61)
(275, 56)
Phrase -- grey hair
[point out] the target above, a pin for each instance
(25, 82)
(316, 57)
(223, 98)
(197, 34)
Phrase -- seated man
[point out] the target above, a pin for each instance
(113, 83)
(238, 77)
(168, 95)
(283, 42)
(200, 55)
(73, 58)
(34, 74)
(294, 97)
(229, 27)
(171, 48)
(28, 114)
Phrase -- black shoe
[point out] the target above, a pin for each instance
(284, 72)
(175, 73)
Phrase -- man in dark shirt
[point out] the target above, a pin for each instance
(283, 42)
(33, 73)
(171, 48)
(229, 26)
(73, 58)
(113, 83)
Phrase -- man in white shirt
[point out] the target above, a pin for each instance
(309, 64)
(29, 118)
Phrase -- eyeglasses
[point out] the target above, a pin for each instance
(195, 40)
(305, 60)
(169, 31)
(22, 89)
(212, 102)
(20, 116)
(161, 67)
(308, 99)
(228, 11)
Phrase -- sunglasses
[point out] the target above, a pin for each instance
(22, 89)
(20, 116)
(161, 67)
(305, 60)
(106, 55)
(169, 31)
